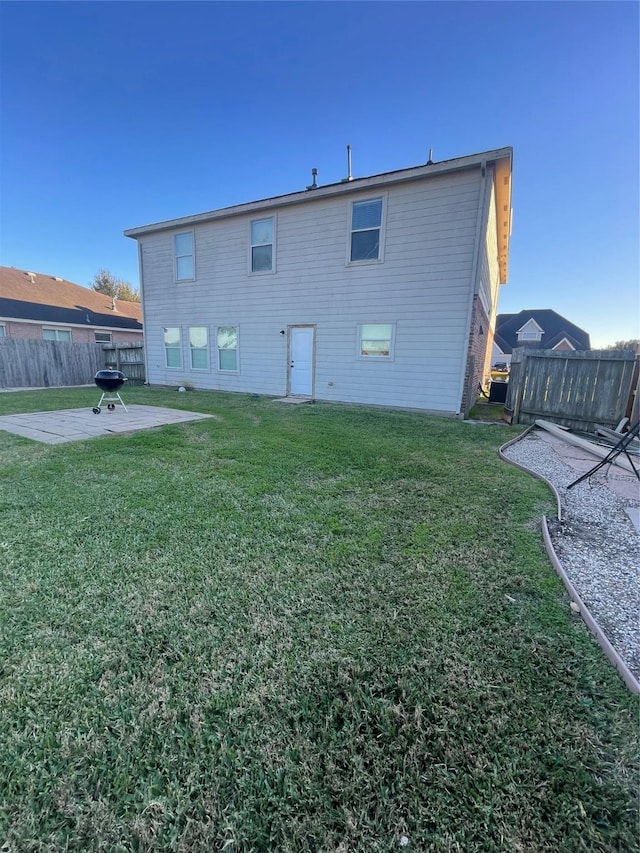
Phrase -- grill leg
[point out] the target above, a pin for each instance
(110, 400)
(121, 403)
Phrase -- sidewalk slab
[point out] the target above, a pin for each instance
(79, 424)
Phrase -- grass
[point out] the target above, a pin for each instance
(482, 410)
(312, 628)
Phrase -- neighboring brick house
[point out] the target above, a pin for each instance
(380, 290)
(35, 305)
(539, 328)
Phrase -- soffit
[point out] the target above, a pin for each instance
(503, 213)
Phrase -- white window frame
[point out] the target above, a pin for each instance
(107, 335)
(193, 349)
(191, 254)
(237, 349)
(57, 331)
(3, 330)
(166, 348)
(252, 245)
(392, 339)
(383, 198)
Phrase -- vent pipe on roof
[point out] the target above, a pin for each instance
(113, 304)
(32, 277)
(348, 178)
(430, 160)
(314, 175)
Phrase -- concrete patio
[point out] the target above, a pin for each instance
(67, 425)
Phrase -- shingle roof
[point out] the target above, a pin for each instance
(49, 299)
(554, 326)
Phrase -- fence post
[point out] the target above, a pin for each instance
(514, 389)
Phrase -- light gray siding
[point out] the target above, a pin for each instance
(423, 286)
(490, 272)
(490, 275)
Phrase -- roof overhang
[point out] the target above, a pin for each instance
(503, 169)
(501, 157)
(137, 330)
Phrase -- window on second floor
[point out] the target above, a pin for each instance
(172, 346)
(366, 229)
(531, 331)
(183, 255)
(57, 335)
(262, 243)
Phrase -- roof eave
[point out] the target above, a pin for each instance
(503, 172)
(501, 156)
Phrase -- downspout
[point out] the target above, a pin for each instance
(144, 317)
(480, 239)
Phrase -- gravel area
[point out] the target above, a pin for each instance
(597, 543)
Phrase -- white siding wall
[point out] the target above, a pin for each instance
(492, 268)
(490, 274)
(422, 286)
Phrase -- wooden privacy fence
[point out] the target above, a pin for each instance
(129, 358)
(29, 363)
(574, 389)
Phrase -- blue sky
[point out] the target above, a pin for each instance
(119, 114)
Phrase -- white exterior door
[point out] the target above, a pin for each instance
(301, 360)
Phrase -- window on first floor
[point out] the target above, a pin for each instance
(227, 344)
(262, 245)
(103, 337)
(199, 347)
(366, 227)
(172, 346)
(57, 335)
(3, 331)
(376, 340)
(183, 255)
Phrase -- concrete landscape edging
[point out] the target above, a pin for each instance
(625, 673)
(501, 450)
(612, 655)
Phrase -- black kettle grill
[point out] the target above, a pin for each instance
(109, 382)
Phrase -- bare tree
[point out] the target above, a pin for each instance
(633, 344)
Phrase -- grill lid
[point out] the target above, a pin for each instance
(110, 374)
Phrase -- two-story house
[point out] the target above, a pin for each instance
(538, 328)
(379, 290)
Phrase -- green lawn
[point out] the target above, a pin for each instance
(295, 628)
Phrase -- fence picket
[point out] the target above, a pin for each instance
(574, 389)
(30, 363)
